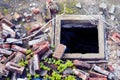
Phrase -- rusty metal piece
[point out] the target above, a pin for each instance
(101, 70)
(36, 63)
(18, 57)
(18, 48)
(83, 64)
(97, 78)
(14, 67)
(5, 52)
(96, 75)
(81, 74)
(59, 51)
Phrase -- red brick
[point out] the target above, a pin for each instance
(18, 48)
(42, 48)
(79, 63)
(110, 68)
(5, 46)
(37, 45)
(97, 78)
(7, 22)
(59, 51)
(34, 29)
(97, 75)
(116, 37)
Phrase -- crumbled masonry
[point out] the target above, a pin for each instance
(59, 40)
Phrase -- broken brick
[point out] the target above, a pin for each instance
(37, 45)
(79, 63)
(59, 51)
(34, 29)
(16, 16)
(36, 11)
(81, 74)
(101, 70)
(36, 62)
(14, 67)
(97, 78)
(6, 46)
(110, 68)
(5, 52)
(7, 22)
(42, 49)
(116, 38)
(97, 75)
(18, 48)
(18, 57)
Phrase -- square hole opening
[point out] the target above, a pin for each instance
(79, 36)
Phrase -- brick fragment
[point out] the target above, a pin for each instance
(97, 78)
(116, 38)
(14, 67)
(18, 48)
(36, 63)
(5, 52)
(81, 74)
(83, 64)
(97, 75)
(42, 49)
(59, 51)
(110, 68)
(101, 70)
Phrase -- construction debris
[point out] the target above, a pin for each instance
(27, 51)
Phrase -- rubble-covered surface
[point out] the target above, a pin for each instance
(26, 48)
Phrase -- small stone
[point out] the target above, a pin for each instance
(67, 71)
(112, 17)
(112, 9)
(16, 16)
(36, 10)
(103, 6)
(78, 5)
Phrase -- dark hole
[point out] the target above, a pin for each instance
(79, 37)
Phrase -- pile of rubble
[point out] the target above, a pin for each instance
(28, 55)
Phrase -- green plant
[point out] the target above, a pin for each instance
(8, 78)
(5, 11)
(29, 76)
(28, 51)
(54, 76)
(70, 77)
(23, 63)
(36, 75)
(62, 67)
(69, 63)
(50, 60)
(58, 62)
(42, 66)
